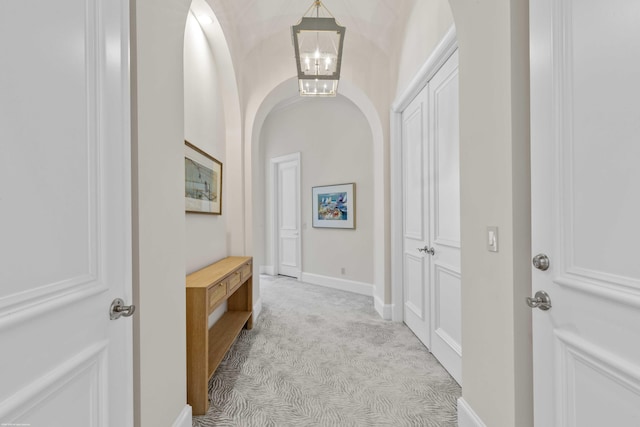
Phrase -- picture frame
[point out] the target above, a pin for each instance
(202, 181)
(334, 206)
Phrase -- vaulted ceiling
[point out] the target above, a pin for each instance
(247, 22)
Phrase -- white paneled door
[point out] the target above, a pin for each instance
(444, 218)
(416, 261)
(65, 239)
(585, 121)
(287, 215)
(431, 217)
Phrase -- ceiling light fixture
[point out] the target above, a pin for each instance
(317, 41)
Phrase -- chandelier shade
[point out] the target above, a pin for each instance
(318, 42)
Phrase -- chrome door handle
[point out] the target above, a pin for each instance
(541, 301)
(541, 262)
(118, 309)
(427, 250)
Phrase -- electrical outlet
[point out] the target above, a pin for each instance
(343, 271)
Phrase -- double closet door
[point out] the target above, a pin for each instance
(431, 217)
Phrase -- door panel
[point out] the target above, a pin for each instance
(599, 133)
(65, 203)
(446, 157)
(415, 224)
(444, 218)
(447, 301)
(593, 379)
(415, 295)
(36, 166)
(585, 58)
(77, 383)
(414, 156)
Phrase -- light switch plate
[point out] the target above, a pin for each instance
(492, 239)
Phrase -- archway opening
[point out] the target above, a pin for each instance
(280, 96)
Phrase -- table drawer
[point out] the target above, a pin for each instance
(234, 280)
(216, 293)
(245, 272)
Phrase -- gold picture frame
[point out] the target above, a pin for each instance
(202, 181)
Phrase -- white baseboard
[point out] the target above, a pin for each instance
(257, 308)
(384, 310)
(397, 313)
(267, 269)
(185, 419)
(466, 416)
(336, 283)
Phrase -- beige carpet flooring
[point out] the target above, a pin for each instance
(323, 357)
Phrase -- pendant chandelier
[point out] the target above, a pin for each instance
(317, 40)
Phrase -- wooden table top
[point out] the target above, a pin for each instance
(215, 272)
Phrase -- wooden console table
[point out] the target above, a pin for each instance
(226, 280)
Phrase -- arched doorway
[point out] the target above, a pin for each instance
(256, 228)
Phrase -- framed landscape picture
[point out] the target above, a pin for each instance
(202, 181)
(334, 206)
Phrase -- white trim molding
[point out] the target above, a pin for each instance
(257, 308)
(336, 283)
(436, 60)
(384, 310)
(438, 57)
(268, 270)
(466, 416)
(185, 419)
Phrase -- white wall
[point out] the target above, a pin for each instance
(495, 190)
(494, 117)
(338, 150)
(204, 126)
(428, 22)
(233, 181)
(158, 210)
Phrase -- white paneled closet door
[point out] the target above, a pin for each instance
(416, 262)
(65, 216)
(431, 217)
(444, 218)
(585, 128)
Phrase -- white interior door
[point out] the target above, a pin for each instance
(64, 213)
(585, 119)
(431, 217)
(444, 218)
(287, 215)
(416, 263)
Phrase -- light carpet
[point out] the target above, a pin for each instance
(323, 357)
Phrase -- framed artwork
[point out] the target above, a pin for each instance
(334, 206)
(202, 181)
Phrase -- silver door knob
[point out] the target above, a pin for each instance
(427, 250)
(541, 262)
(541, 301)
(118, 309)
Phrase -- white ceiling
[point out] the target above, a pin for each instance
(247, 22)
